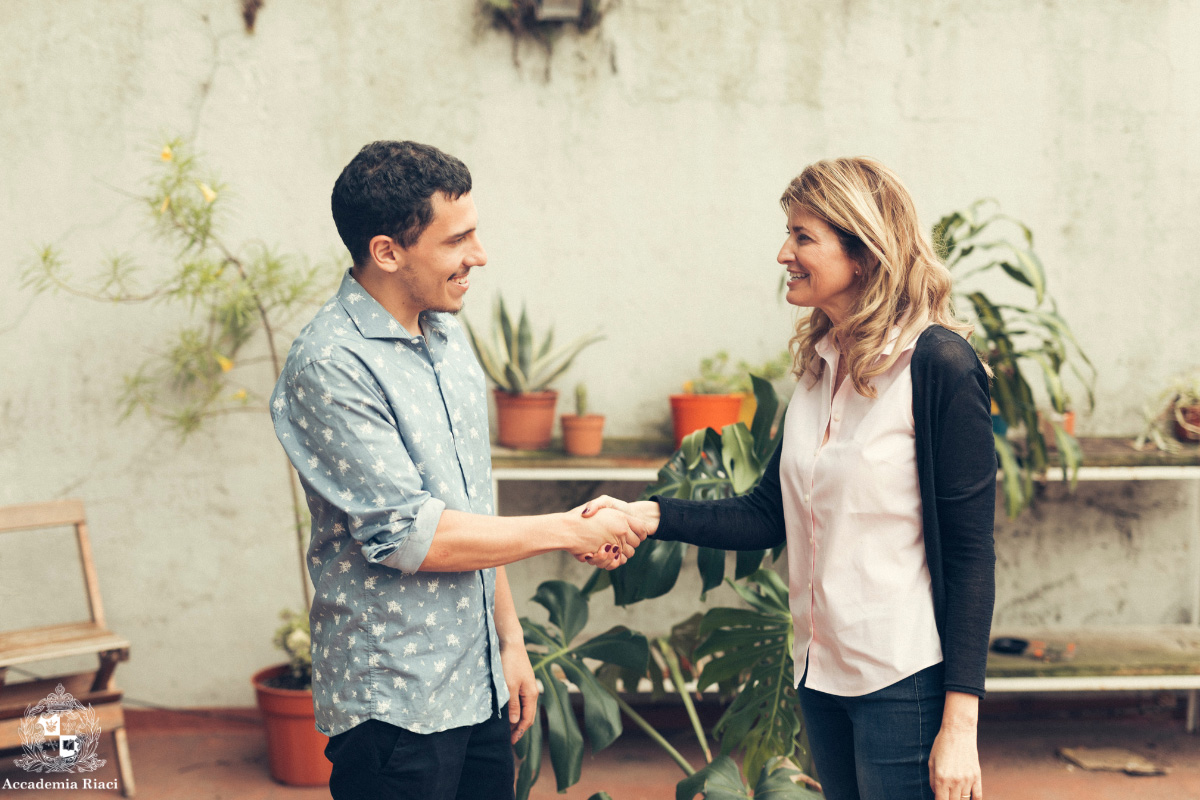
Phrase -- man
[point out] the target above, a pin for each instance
(382, 409)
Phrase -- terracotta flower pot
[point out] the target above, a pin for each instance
(295, 748)
(583, 436)
(693, 412)
(1191, 415)
(526, 421)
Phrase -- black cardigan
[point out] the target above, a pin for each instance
(956, 469)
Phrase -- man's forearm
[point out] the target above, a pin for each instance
(463, 542)
(508, 625)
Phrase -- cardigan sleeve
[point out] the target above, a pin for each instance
(964, 479)
(753, 521)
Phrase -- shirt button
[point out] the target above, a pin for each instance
(837, 417)
(807, 499)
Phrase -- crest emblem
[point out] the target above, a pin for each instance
(59, 734)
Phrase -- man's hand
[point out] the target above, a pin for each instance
(522, 688)
(642, 517)
(604, 539)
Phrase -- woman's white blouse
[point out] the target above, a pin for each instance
(859, 584)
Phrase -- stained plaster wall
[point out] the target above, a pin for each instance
(628, 182)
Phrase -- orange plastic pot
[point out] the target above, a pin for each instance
(295, 748)
(693, 412)
(526, 421)
(583, 436)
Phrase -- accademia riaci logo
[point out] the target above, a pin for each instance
(59, 734)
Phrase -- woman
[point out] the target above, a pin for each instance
(883, 489)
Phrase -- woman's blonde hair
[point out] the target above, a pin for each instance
(900, 279)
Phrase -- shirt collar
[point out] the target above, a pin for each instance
(826, 350)
(373, 320)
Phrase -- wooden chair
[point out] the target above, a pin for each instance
(28, 645)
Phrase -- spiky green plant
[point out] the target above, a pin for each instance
(238, 295)
(512, 361)
(581, 400)
(1015, 338)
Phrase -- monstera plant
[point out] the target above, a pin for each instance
(707, 466)
(557, 656)
(745, 652)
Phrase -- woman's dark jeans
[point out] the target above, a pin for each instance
(876, 746)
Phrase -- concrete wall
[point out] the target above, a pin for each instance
(628, 182)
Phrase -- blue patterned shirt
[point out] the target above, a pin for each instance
(387, 429)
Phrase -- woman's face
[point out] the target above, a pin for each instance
(820, 272)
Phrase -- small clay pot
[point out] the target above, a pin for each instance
(525, 421)
(295, 748)
(583, 436)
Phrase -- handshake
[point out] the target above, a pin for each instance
(606, 531)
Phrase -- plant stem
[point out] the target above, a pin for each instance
(653, 734)
(668, 654)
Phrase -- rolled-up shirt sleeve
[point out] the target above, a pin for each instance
(340, 435)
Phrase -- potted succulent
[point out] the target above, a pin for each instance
(522, 374)
(1176, 410)
(583, 433)
(714, 400)
(295, 748)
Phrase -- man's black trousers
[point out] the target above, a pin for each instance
(379, 761)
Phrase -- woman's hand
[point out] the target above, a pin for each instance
(643, 518)
(954, 770)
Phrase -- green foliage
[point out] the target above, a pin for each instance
(581, 400)
(722, 780)
(236, 294)
(511, 360)
(752, 648)
(1017, 340)
(294, 638)
(1167, 411)
(238, 298)
(717, 377)
(707, 466)
(554, 653)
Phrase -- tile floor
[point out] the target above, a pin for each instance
(221, 755)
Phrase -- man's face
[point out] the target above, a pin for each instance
(434, 271)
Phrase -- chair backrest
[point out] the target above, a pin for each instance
(58, 514)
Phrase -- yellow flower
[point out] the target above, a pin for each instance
(688, 387)
(240, 394)
(166, 154)
(206, 190)
(225, 363)
(166, 203)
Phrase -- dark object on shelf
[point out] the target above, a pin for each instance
(1009, 645)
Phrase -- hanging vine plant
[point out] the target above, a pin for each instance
(541, 21)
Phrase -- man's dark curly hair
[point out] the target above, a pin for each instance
(386, 189)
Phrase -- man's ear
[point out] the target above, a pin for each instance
(386, 253)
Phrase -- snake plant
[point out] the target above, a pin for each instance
(510, 358)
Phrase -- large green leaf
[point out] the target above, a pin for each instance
(707, 466)
(528, 751)
(738, 458)
(525, 344)
(755, 645)
(552, 650)
(1015, 496)
(567, 606)
(722, 780)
